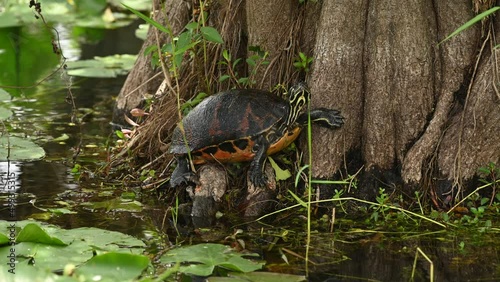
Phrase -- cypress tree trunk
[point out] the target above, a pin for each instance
(417, 114)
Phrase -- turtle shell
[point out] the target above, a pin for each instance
(225, 126)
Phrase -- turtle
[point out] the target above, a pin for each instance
(243, 125)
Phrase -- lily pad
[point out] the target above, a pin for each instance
(19, 149)
(4, 95)
(50, 247)
(5, 113)
(204, 258)
(260, 277)
(113, 267)
(110, 66)
(34, 233)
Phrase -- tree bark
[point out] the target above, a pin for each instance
(141, 80)
(456, 58)
(270, 26)
(336, 81)
(412, 108)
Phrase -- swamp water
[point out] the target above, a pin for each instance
(43, 189)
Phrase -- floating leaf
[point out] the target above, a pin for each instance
(116, 204)
(34, 233)
(83, 243)
(3, 239)
(205, 257)
(142, 31)
(63, 137)
(110, 66)
(61, 211)
(19, 149)
(4, 95)
(5, 113)
(113, 267)
(260, 276)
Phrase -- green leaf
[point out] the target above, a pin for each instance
(84, 243)
(34, 233)
(243, 80)
(116, 204)
(298, 65)
(19, 149)
(142, 31)
(110, 66)
(24, 272)
(205, 257)
(224, 77)
(297, 198)
(5, 113)
(192, 26)
(261, 277)
(149, 20)
(226, 55)
(120, 134)
(280, 173)
(61, 211)
(471, 23)
(114, 267)
(3, 239)
(251, 62)
(63, 137)
(235, 63)
(211, 34)
(4, 95)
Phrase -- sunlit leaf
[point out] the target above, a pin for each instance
(3, 239)
(113, 267)
(16, 148)
(142, 5)
(63, 137)
(116, 204)
(61, 211)
(83, 243)
(4, 95)
(35, 234)
(142, 31)
(110, 66)
(148, 19)
(281, 174)
(5, 113)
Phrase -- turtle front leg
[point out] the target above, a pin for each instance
(182, 173)
(256, 171)
(323, 117)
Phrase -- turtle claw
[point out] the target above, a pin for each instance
(182, 179)
(256, 177)
(182, 174)
(258, 180)
(327, 118)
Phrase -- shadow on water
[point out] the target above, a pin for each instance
(49, 183)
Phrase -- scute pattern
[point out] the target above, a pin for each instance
(234, 116)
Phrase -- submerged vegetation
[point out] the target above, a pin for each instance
(313, 231)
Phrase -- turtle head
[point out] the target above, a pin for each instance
(298, 97)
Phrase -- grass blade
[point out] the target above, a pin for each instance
(471, 23)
